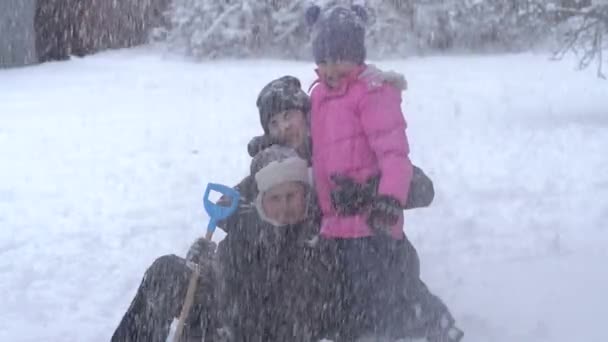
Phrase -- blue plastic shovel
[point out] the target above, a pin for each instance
(216, 213)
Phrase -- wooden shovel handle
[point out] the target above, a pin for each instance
(189, 300)
(187, 305)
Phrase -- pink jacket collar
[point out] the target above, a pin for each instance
(343, 88)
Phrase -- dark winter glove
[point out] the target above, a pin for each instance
(259, 143)
(349, 197)
(384, 213)
(201, 251)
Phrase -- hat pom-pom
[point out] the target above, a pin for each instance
(312, 14)
(360, 12)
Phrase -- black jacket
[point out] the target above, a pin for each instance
(270, 279)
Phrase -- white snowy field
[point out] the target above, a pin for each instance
(104, 161)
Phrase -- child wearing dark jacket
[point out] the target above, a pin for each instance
(269, 269)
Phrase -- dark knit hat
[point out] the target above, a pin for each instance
(274, 153)
(279, 95)
(339, 34)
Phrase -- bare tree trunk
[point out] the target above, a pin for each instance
(81, 27)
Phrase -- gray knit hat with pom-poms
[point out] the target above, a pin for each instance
(338, 33)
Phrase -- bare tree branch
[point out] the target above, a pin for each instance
(586, 38)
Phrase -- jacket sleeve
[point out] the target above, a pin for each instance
(384, 125)
(421, 192)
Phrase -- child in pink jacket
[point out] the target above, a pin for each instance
(358, 133)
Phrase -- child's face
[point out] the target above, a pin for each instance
(333, 73)
(289, 128)
(285, 203)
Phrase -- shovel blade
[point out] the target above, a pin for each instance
(218, 212)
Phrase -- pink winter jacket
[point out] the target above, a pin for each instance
(358, 130)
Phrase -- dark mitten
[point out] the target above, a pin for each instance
(421, 192)
(384, 213)
(350, 197)
(259, 143)
(201, 250)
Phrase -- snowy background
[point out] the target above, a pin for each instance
(104, 161)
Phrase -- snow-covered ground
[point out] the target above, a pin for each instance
(104, 161)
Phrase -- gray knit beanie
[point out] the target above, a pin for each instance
(338, 34)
